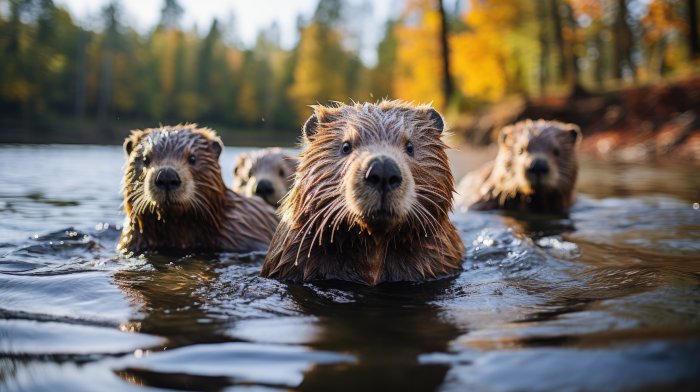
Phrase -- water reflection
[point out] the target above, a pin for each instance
(170, 296)
(374, 325)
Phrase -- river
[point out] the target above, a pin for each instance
(607, 299)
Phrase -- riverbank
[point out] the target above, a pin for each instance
(639, 124)
(68, 131)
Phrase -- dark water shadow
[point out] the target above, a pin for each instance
(385, 328)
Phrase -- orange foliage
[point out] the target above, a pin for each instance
(661, 19)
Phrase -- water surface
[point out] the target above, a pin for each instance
(608, 299)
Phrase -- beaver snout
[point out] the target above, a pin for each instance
(538, 168)
(264, 189)
(383, 174)
(167, 179)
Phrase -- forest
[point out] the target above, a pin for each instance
(460, 55)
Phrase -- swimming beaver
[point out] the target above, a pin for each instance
(267, 173)
(175, 198)
(534, 171)
(370, 200)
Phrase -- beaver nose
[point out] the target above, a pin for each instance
(264, 188)
(383, 174)
(167, 179)
(538, 167)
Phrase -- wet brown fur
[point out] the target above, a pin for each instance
(502, 183)
(203, 214)
(326, 232)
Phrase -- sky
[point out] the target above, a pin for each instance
(249, 16)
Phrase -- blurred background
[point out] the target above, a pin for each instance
(77, 71)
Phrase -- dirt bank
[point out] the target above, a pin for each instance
(649, 123)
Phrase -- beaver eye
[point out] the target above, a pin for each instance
(346, 148)
(555, 152)
(409, 148)
(146, 161)
(192, 159)
(282, 173)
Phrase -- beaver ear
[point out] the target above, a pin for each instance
(310, 127)
(503, 135)
(322, 114)
(240, 162)
(217, 147)
(131, 141)
(574, 132)
(436, 120)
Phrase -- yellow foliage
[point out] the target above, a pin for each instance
(480, 56)
(418, 73)
(319, 75)
(478, 67)
(164, 46)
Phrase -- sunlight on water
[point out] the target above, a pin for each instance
(608, 298)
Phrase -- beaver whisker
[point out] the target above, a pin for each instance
(338, 205)
(415, 217)
(319, 232)
(429, 219)
(431, 201)
(424, 190)
(344, 214)
(309, 225)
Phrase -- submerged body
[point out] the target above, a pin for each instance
(267, 173)
(175, 198)
(534, 171)
(370, 201)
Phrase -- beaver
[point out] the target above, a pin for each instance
(370, 200)
(175, 198)
(534, 171)
(266, 173)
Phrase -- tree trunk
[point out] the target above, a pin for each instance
(105, 97)
(623, 41)
(572, 67)
(694, 38)
(80, 75)
(559, 41)
(447, 87)
(544, 45)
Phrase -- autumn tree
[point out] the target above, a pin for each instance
(323, 66)
(418, 75)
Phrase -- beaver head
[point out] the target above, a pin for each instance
(172, 170)
(267, 173)
(369, 175)
(538, 157)
(373, 166)
(536, 167)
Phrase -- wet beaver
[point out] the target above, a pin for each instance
(370, 200)
(534, 171)
(266, 173)
(175, 198)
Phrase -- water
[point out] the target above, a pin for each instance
(608, 299)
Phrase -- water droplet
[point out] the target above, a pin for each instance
(138, 353)
(696, 206)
